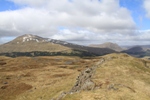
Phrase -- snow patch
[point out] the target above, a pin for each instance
(37, 40)
(49, 39)
(31, 39)
(29, 35)
(27, 38)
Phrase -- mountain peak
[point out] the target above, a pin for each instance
(29, 38)
(109, 45)
(31, 43)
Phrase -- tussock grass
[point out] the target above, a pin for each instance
(46, 76)
(120, 77)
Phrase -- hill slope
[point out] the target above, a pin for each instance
(138, 51)
(109, 45)
(115, 77)
(28, 45)
(109, 77)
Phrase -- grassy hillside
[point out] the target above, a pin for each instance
(118, 77)
(36, 78)
(32, 46)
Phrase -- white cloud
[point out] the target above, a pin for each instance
(26, 21)
(86, 37)
(98, 20)
(147, 7)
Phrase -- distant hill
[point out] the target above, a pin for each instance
(145, 47)
(109, 45)
(138, 51)
(28, 45)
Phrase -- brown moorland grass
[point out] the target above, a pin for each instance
(120, 77)
(36, 78)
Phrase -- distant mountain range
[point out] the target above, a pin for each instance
(32, 45)
(136, 51)
(109, 45)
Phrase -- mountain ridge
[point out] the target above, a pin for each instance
(109, 45)
(31, 43)
(138, 51)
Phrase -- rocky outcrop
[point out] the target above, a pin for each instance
(83, 81)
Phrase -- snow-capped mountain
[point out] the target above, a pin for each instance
(28, 38)
(28, 43)
(34, 38)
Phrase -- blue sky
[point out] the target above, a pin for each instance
(89, 21)
(7, 5)
(138, 12)
(135, 7)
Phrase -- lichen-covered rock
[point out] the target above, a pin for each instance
(84, 80)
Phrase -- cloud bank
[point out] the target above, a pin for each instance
(71, 20)
(146, 5)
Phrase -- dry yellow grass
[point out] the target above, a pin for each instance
(37, 78)
(120, 77)
(32, 46)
